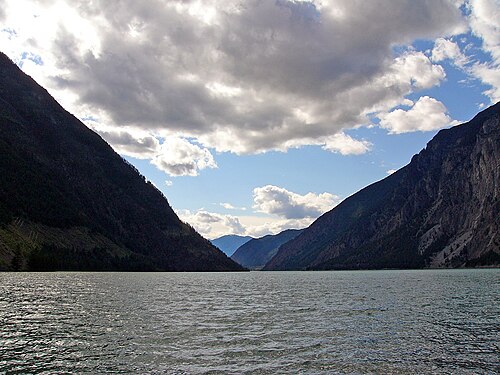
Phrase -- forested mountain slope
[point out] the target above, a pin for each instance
(69, 202)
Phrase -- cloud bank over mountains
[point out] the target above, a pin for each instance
(177, 81)
(236, 76)
(282, 209)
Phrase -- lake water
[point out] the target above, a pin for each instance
(412, 322)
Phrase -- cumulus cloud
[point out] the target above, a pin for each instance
(141, 146)
(447, 49)
(275, 226)
(238, 76)
(179, 157)
(275, 200)
(346, 145)
(489, 74)
(483, 18)
(415, 69)
(425, 115)
(282, 210)
(212, 225)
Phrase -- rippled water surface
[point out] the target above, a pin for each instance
(260, 322)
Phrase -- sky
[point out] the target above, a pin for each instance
(256, 116)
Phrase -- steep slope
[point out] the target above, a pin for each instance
(441, 210)
(256, 253)
(69, 202)
(229, 243)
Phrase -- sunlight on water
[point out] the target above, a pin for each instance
(311, 322)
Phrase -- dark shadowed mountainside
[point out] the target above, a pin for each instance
(230, 242)
(441, 210)
(69, 202)
(256, 253)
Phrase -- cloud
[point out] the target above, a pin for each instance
(141, 146)
(212, 225)
(229, 206)
(425, 115)
(483, 19)
(415, 69)
(391, 171)
(490, 75)
(234, 223)
(244, 77)
(179, 157)
(447, 49)
(346, 145)
(283, 210)
(275, 200)
(173, 155)
(276, 225)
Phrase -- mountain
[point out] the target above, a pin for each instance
(69, 202)
(257, 252)
(230, 242)
(441, 210)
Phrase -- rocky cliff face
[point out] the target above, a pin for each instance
(257, 252)
(441, 210)
(69, 202)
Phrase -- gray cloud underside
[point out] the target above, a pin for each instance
(2, 11)
(127, 144)
(280, 57)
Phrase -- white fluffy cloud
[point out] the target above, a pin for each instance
(484, 23)
(265, 226)
(179, 157)
(489, 74)
(425, 115)
(346, 145)
(239, 76)
(283, 209)
(212, 225)
(275, 200)
(447, 49)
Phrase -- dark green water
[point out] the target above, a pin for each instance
(408, 322)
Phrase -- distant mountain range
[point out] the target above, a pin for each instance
(69, 202)
(230, 242)
(441, 210)
(257, 252)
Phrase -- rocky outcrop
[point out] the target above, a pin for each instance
(441, 210)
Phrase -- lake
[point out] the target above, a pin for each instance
(404, 322)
